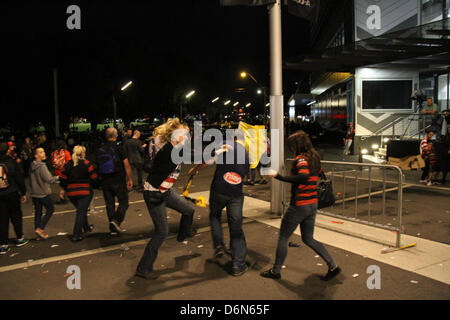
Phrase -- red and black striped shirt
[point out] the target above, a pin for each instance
(77, 181)
(304, 182)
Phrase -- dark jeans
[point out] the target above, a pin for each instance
(159, 216)
(39, 220)
(110, 192)
(81, 220)
(10, 210)
(425, 170)
(137, 169)
(304, 216)
(234, 206)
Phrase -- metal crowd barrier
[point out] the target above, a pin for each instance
(355, 173)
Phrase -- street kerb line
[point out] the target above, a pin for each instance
(80, 254)
(96, 207)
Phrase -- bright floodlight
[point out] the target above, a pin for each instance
(375, 146)
(235, 104)
(267, 104)
(243, 74)
(126, 86)
(364, 151)
(227, 102)
(386, 140)
(259, 91)
(312, 102)
(190, 94)
(215, 100)
(248, 105)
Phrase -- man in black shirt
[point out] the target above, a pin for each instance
(114, 169)
(134, 151)
(226, 191)
(12, 190)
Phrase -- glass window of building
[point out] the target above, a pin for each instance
(432, 10)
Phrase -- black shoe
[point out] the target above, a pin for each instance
(114, 227)
(219, 252)
(147, 275)
(89, 229)
(263, 182)
(76, 239)
(270, 274)
(236, 272)
(181, 236)
(331, 274)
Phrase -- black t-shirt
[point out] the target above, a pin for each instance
(228, 176)
(118, 176)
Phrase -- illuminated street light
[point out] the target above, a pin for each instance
(259, 91)
(248, 105)
(227, 102)
(190, 94)
(126, 86)
(267, 104)
(236, 104)
(216, 99)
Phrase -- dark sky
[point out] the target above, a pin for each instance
(165, 47)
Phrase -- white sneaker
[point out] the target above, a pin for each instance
(429, 183)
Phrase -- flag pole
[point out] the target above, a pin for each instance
(276, 104)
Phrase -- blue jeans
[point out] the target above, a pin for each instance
(39, 221)
(81, 220)
(234, 206)
(158, 214)
(304, 216)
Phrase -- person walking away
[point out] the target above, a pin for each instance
(134, 151)
(59, 158)
(303, 207)
(27, 156)
(158, 194)
(226, 191)
(12, 191)
(77, 178)
(425, 150)
(40, 180)
(114, 169)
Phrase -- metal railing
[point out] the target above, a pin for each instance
(353, 173)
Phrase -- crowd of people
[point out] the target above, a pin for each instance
(111, 171)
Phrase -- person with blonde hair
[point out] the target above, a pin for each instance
(158, 193)
(77, 179)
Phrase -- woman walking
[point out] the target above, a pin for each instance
(77, 179)
(303, 206)
(158, 193)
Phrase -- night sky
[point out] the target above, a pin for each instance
(165, 47)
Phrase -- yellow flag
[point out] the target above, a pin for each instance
(255, 142)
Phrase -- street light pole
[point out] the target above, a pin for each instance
(276, 105)
(55, 96)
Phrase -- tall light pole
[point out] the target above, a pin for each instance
(276, 103)
(129, 83)
(55, 96)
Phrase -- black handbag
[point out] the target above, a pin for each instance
(325, 191)
(154, 197)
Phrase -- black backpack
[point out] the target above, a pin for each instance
(4, 181)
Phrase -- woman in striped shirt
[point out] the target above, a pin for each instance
(303, 207)
(77, 179)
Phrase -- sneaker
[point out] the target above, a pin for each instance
(236, 272)
(90, 228)
(76, 239)
(422, 181)
(270, 274)
(219, 252)
(41, 233)
(21, 242)
(147, 275)
(331, 274)
(429, 183)
(114, 226)
(181, 237)
(4, 249)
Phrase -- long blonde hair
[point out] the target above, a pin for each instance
(79, 152)
(164, 131)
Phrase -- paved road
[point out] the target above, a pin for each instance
(107, 264)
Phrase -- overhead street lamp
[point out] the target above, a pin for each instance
(190, 94)
(215, 100)
(114, 100)
(262, 89)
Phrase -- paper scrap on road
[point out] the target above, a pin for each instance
(54, 246)
(355, 275)
(62, 233)
(200, 246)
(414, 281)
